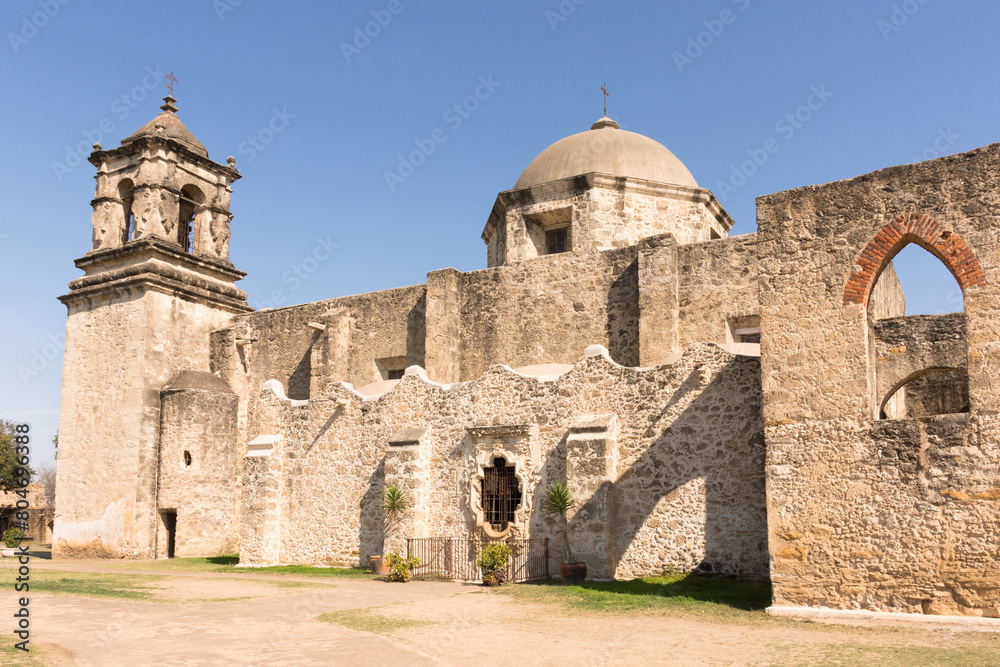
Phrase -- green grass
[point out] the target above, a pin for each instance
(369, 620)
(227, 564)
(908, 656)
(707, 596)
(13, 656)
(102, 585)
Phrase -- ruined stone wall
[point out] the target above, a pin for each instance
(888, 299)
(199, 464)
(40, 515)
(899, 515)
(937, 393)
(683, 485)
(905, 347)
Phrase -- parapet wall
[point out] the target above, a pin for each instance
(681, 484)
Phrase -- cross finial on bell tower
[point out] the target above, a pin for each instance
(169, 99)
(604, 89)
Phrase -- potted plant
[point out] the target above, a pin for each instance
(559, 500)
(394, 507)
(494, 560)
(400, 568)
(11, 540)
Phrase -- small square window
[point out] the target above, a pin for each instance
(396, 374)
(555, 241)
(743, 329)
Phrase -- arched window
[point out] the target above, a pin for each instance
(127, 196)
(500, 494)
(912, 276)
(191, 201)
(929, 392)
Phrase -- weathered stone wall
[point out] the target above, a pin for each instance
(198, 469)
(937, 393)
(898, 515)
(546, 310)
(359, 330)
(121, 350)
(717, 281)
(907, 347)
(40, 515)
(686, 486)
(601, 212)
(888, 299)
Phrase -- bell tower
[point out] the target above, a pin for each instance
(157, 280)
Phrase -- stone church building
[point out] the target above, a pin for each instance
(757, 406)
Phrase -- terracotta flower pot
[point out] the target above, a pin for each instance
(378, 566)
(573, 573)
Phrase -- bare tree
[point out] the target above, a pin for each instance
(46, 475)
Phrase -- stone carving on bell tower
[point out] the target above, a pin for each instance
(160, 183)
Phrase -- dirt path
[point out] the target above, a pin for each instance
(215, 619)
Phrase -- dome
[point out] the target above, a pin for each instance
(607, 149)
(169, 126)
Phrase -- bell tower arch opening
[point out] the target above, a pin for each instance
(191, 203)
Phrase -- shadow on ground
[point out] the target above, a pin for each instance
(747, 596)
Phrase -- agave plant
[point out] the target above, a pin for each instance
(559, 500)
(395, 505)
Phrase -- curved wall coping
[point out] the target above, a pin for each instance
(538, 372)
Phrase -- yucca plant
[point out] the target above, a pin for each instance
(395, 505)
(559, 500)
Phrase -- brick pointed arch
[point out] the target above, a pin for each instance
(925, 232)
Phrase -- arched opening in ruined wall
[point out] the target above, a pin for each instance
(925, 393)
(912, 277)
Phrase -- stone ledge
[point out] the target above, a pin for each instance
(826, 614)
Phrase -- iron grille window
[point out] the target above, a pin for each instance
(500, 493)
(396, 374)
(555, 241)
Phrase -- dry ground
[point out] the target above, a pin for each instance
(210, 618)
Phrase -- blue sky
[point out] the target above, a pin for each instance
(713, 81)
